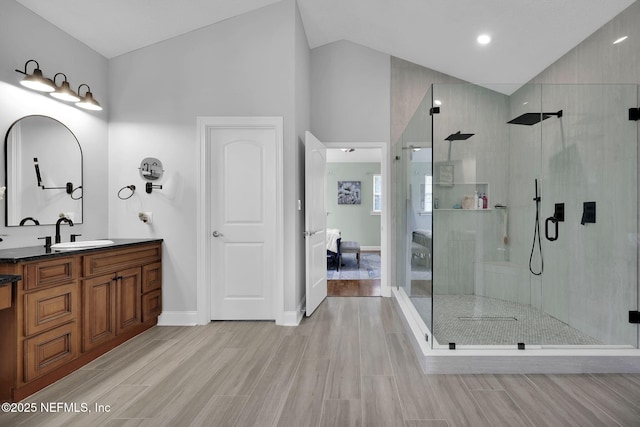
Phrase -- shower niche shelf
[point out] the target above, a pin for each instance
(449, 195)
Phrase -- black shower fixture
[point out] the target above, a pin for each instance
(459, 136)
(530, 119)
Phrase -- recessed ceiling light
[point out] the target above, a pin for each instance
(484, 39)
(621, 39)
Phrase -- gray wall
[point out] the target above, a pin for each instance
(355, 222)
(244, 66)
(24, 36)
(349, 93)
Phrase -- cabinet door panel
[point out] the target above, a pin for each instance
(128, 299)
(99, 315)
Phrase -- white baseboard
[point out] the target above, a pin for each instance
(370, 249)
(178, 318)
(293, 318)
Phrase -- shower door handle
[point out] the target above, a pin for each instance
(555, 221)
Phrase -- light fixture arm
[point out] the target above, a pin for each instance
(59, 74)
(25, 67)
(84, 84)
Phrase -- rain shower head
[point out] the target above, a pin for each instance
(530, 119)
(459, 136)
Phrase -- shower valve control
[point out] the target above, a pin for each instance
(558, 212)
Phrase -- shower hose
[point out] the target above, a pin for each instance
(536, 233)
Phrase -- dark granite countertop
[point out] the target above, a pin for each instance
(31, 253)
(9, 278)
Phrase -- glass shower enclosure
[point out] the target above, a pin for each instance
(518, 216)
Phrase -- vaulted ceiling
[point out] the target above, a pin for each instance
(527, 35)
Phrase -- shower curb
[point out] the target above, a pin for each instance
(533, 360)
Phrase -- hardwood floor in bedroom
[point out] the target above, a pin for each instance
(353, 288)
(350, 364)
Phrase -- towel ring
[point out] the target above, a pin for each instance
(130, 187)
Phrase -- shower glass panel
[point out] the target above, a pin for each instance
(589, 158)
(519, 180)
(415, 204)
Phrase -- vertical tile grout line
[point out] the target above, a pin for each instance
(283, 400)
(360, 365)
(393, 371)
(255, 386)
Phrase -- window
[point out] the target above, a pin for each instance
(427, 194)
(377, 193)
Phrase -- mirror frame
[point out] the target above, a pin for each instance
(8, 194)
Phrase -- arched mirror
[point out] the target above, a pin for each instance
(43, 167)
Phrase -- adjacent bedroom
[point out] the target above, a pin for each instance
(354, 204)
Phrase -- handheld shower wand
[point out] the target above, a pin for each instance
(536, 232)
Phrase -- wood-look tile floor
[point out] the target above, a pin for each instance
(350, 364)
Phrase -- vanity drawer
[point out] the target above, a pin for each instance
(57, 271)
(114, 260)
(51, 307)
(151, 305)
(50, 350)
(151, 277)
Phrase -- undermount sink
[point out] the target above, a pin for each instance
(68, 246)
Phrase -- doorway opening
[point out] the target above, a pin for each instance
(354, 204)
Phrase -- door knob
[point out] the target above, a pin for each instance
(217, 234)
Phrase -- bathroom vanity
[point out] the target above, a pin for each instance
(69, 307)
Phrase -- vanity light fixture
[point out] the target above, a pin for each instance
(87, 101)
(64, 92)
(36, 80)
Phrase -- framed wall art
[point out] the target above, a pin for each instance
(349, 193)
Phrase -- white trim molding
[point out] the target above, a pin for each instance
(178, 318)
(293, 318)
(204, 124)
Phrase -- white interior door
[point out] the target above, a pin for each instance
(315, 222)
(243, 215)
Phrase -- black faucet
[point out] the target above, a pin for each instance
(58, 222)
(24, 220)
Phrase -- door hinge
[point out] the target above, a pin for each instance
(426, 337)
(434, 110)
(634, 114)
(634, 316)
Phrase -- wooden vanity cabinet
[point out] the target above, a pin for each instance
(69, 310)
